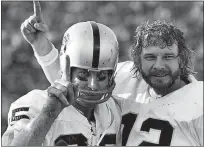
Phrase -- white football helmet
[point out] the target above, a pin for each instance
(92, 46)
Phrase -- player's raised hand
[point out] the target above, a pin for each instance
(34, 29)
(61, 93)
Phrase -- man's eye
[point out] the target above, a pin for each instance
(83, 76)
(102, 76)
(168, 57)
(150, 58)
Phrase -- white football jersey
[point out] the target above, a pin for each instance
(71, 127)
(173, 120)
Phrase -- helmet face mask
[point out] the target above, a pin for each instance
(94, 47)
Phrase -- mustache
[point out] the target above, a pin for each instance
(159, 72)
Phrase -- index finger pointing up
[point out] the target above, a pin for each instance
(37, 10)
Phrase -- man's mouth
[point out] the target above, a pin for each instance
(160, 75)
(86, 94)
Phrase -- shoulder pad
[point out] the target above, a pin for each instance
(124, 66)
(27, 106)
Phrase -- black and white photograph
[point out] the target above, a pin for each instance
(101, 73)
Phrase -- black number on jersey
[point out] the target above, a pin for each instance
(128, 121)
(165, 127)
(65, 140)
(108, 139)
(80, 140)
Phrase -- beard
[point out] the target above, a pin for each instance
(160, 80)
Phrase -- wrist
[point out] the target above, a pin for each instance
(49, 58)
(42, 49)
(50, 114)
(51, 110)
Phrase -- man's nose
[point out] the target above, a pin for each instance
(159, 64)
(93, 84)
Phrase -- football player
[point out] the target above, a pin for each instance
(169, 100)
(76, 109)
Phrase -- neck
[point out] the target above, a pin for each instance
(86, 111)
(176, 85)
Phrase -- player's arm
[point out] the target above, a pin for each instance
(28, 125)
(26, 132)
(20, 115)
(50, 64)
(34, 31)
(32, 132)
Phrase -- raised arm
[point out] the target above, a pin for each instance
(34, 30)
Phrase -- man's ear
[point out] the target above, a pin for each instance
(181, 64)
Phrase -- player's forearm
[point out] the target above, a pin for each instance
(50, 64)
(42, 48)
(52, 71)
(34, 133)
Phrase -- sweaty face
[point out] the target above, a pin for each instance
(160, 67)
(91, 81)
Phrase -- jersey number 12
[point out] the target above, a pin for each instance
(166, 128)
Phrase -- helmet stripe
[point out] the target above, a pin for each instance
(96, 44)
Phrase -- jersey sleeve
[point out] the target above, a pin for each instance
(50, 64)
(196, 125)
(21, 112)
(192, 122)
(123, 78)
(197, 129)
(127, 85)
(27, 106)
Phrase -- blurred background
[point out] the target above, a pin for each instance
(20, 71)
